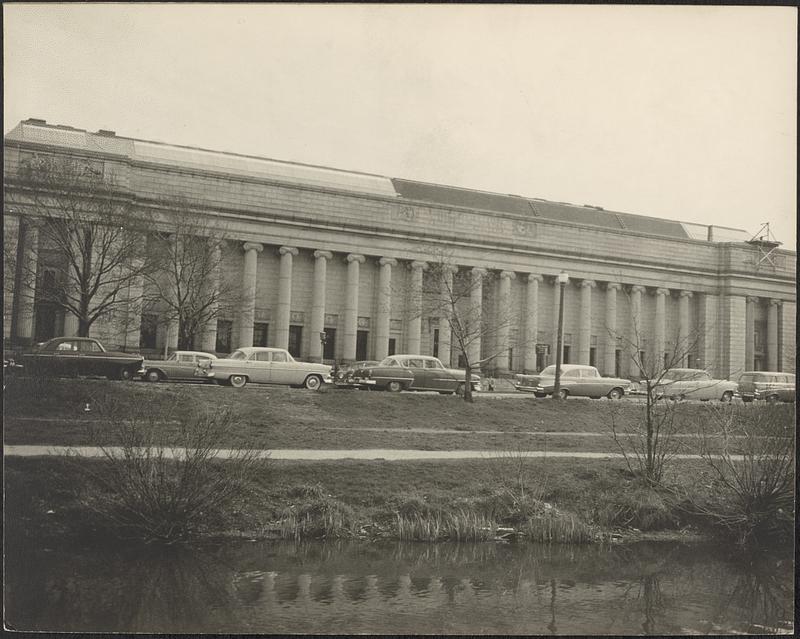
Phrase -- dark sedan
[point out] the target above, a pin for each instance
(81, 356)
(343, 375)
(414, 372)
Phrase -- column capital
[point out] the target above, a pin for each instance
(450, 268)
(324, 255)
(588, 284)
(662, 291)
(613, 286)
(688, 294)
(507, 275)
(288, 250)
(387, 261)
(354, 257)
(534, 277)
(775, 302)
(418, 264)
(638, 288)
(752, 299)
(253, 246)
(479, 271)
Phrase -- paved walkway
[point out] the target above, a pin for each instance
(388, 454)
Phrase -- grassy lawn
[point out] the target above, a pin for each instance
(51, 412)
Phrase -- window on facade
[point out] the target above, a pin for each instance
(260, 333)
(329, 350)
(362, 337)
(566, 355)
(510, 359)
(541, 360)
(436, 342)
(147, 330)
(462, 361)
(617, 362)
(224, 336)
(592, 356)
(295, 340)
(691, 361)
(392, 346)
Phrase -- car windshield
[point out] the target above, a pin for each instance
(238, 355)
(550, 370)
(172, 357)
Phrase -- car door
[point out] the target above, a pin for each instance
(170, 366)
(64, 360)
(436, 377)
(283, 370)
(591, 384)
(417, 368)
(184, 365)
(259, 367)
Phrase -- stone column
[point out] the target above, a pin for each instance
(685, 342)
(772, 334)
(445, 333)
(415, 307)
(710, 336)
(247, 314)
(71, 324)
(284, 306)
(351, 306)
(209, 343)
(503, 319)
(585, 331)
(531, 321)
(384, 310)
(610, 354)
(556, 303)
(318, 304)
(751, 303)
(637, 334)
(660, 328)
(475, 316)
(133, 312)
(26, 293)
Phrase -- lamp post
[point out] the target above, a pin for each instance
(563, 278)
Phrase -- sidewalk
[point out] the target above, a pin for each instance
(385, 454)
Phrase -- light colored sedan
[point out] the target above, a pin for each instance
(694, 383)
(576, 379)
(179, 365)
(264, 365)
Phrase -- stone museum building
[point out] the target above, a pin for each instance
(318, 249)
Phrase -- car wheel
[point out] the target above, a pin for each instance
(772, 399)
(124, 374)
(152, 376)
(446, 392)
(313, 382)
(563, 393)
(727, 396)
(237, 381)
(394, 387)
(615, 393)
(460, 389)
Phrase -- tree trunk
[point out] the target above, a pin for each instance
(468, 383)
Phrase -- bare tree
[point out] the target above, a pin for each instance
(187, 284)
(455, 297)
(92, 230)
(649, 447)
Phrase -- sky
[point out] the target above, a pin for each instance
(681, 112)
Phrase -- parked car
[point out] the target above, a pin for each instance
(414, 372)
(81, 356)
(694, 383)
(577, 380)
(263, 365)
(768, 385)
(179, 365)
(343, 375)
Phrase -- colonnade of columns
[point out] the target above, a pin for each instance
(529, 326)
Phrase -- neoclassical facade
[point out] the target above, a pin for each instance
(322, 250)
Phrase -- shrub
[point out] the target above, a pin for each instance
(147, 489)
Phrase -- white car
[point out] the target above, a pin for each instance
(577, 380)
(694, 383)
(264, 365)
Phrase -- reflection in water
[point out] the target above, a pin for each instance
(400, 588)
